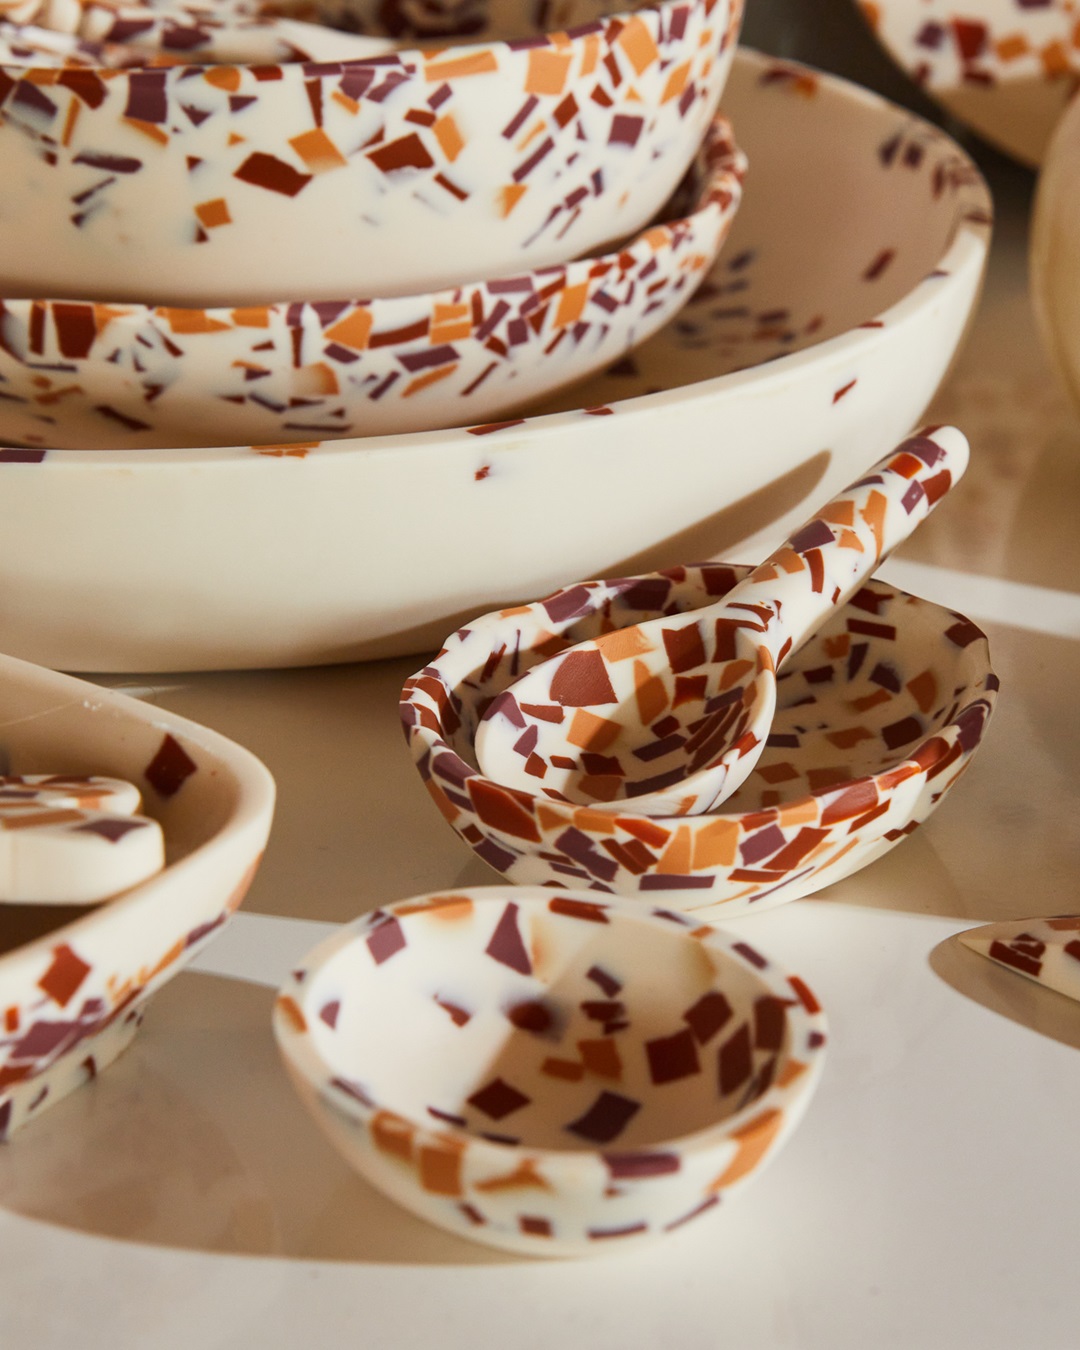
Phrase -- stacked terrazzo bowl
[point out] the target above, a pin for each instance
(195, 252)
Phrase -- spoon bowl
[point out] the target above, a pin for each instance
(878, 717)
(672, 714)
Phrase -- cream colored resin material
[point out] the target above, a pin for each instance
(74, 982)
(877, 717)
(553, 1074)
(1005, 67)
(73, 839)
(800, 359)
(85, 375)
(243, 184)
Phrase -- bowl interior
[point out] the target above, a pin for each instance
(192, 782)
(886, 672)
(431, 20)
(796, 270)
(555, 1024)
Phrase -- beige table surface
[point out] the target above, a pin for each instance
(930, 1201)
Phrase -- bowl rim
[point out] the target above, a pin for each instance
(979, 691)
(250, 817)
(412, 58)
(806, 1019)
(963, 261)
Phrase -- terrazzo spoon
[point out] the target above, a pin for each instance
(674, 713)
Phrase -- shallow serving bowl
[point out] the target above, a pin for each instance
(877, 717)
(550, 1074)
(82, 375)
(74, 981)
(806, 353)
(411, 171)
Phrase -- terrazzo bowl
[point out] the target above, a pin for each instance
(803, 356)
(1055, 257)
(82, 375)
(1006, 68)
(74, 982)
(226, 184)
(877, 717)
(194, 32)
(549, 1074)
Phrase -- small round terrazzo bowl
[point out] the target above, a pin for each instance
(877, 717)
(549, 1073)
(90, 376)
(419, 169)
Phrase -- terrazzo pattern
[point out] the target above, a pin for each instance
(1044, 950)
(73, 839)
(1007, 67)
(791, 345)
(520, 153)
(72, 997)
(221, 31)
(508, 1066)
(877, 717)
(84, 375)
(670, 717)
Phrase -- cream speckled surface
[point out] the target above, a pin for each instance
(930, 1197)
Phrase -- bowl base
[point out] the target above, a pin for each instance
(26, 1100)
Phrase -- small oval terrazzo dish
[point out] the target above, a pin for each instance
(552, 1074)
(75, 982)
(877, 716)
(112, 376)
(223, 184)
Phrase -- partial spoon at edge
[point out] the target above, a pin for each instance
(670, 716)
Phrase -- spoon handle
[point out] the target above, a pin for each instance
(826, 560)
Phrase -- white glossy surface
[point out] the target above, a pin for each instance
(930, 1198)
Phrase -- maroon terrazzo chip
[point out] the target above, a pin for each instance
(386, 939)
(170, 768)
(735, 1061)
(606, 1119)
(112, 829)
(672, 1057)
(273, 174)
(643, 1164)
(498, 1099)
(708, 1015)
(507, 945)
